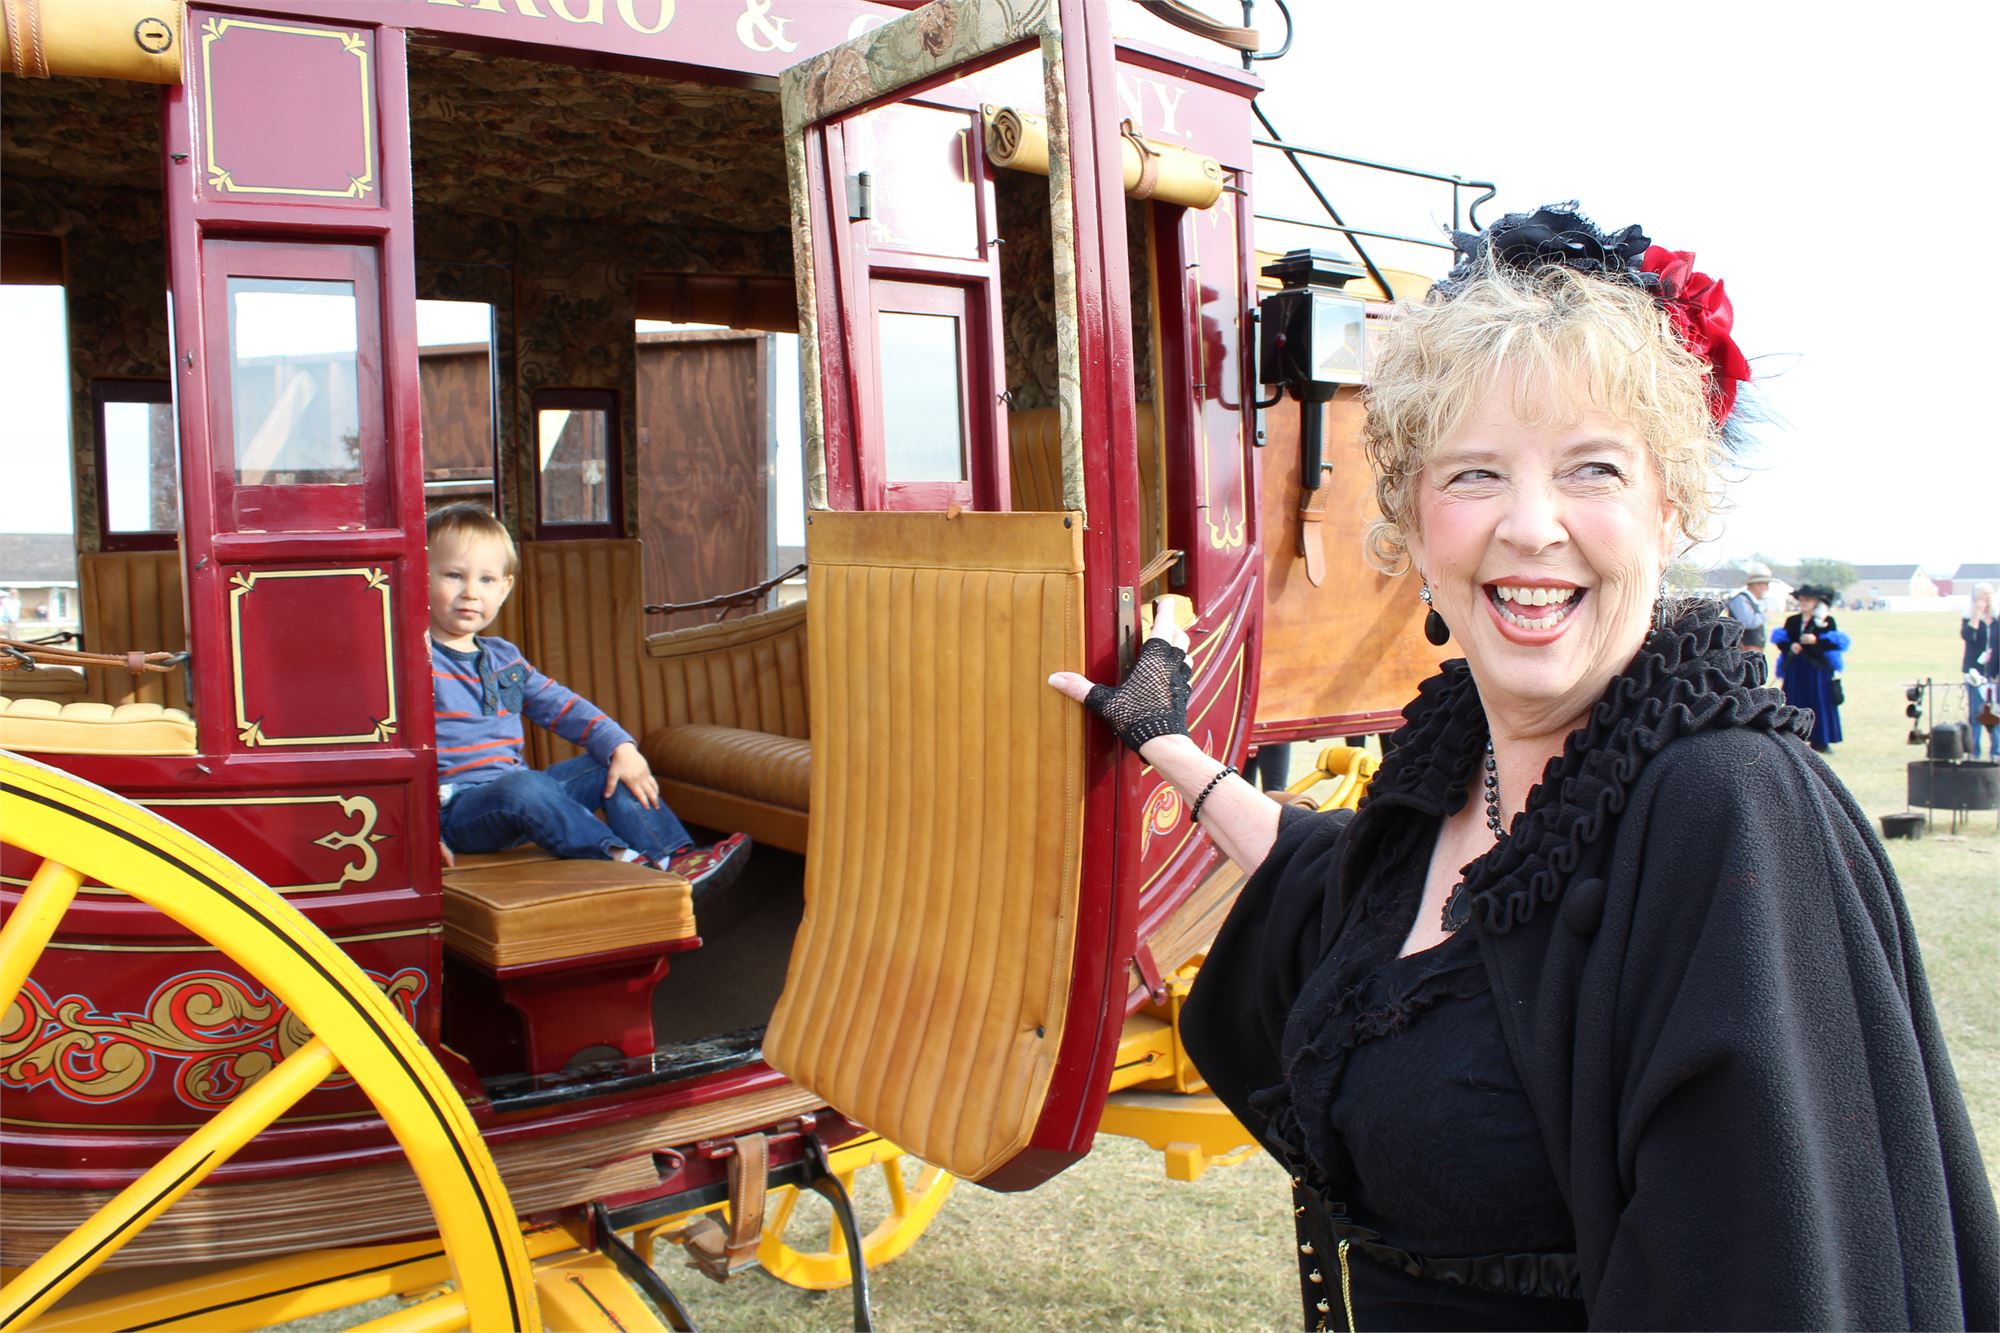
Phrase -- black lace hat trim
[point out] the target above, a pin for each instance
(1555, 234)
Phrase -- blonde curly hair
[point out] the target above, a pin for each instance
(1575, 337)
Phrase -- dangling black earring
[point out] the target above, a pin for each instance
(1435, 629)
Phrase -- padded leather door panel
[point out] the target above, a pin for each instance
(927, 989)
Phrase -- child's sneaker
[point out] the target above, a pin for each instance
(707, 869)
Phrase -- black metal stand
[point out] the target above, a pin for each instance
(827, 1186)
(637, 1269)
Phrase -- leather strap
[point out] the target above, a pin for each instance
(719, 1254)
(1189, 19)
(1149, 163)
(27, 654)
(1312, 509)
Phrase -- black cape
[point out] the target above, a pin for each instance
(1709, 985)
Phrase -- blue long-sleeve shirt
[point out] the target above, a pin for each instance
(481, 697)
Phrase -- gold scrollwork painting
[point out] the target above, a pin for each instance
(251, 731)
(218, 1032)
(358, 841)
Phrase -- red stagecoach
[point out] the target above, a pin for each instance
(1012, 239)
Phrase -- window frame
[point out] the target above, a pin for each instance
(902, 295)
(123, 389)
(572, 399)
(314, 507)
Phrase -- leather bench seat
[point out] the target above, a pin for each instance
(48, 726)
(513, 909)
(734, 780)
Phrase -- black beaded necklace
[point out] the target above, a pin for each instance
(1457, 906)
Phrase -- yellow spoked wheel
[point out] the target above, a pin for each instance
(877, 1175)
(82, 831)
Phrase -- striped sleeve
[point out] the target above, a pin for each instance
(551, 704)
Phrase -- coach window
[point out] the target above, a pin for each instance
(456, 363)
(138, 464)
(302, 433)
(577, 472)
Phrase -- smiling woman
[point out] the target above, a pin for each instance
(1607, 985)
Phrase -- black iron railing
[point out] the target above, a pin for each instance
(1464, 213)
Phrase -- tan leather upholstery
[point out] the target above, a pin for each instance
(61, 683)
(748, 673)
(1034, 446)
(47, 726)
(763, 767)
(729, 778)
(576, 613)
(526, 907)
(131, 602)
(927, 987)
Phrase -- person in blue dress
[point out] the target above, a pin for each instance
(1812, 651)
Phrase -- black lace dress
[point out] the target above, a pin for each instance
(1689, 951)
(1398, 1080)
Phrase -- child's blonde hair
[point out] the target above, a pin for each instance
(463, 523)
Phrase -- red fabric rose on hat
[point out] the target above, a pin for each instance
(1703, 318)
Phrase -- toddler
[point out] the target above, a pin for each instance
(489, 799)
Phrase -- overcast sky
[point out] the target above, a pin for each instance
(1832, 171)
(1830, 163)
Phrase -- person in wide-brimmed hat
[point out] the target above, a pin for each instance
(1746, 605)
(1812, 652)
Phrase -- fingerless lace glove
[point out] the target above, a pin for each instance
(1152, 701)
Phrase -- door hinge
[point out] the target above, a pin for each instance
(860, 197)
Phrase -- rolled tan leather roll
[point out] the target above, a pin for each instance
(1019, 141)
(105, 39)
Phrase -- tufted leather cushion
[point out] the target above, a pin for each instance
(736, 781)
(524, 906)
(749, 672)
(46, 726)
(774, 769)
(928, 985)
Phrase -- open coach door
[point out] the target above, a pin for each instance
(958, 980)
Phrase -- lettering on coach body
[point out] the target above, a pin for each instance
(759, 31)
(648, 18)
(1139, 96)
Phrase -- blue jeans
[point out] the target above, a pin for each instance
(555, 808)
(1976, 700)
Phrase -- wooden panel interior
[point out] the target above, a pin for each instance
(704, 405)
(457, 385)
(1355, 644)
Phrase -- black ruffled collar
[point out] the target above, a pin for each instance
(1691, 677)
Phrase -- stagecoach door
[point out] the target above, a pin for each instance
(958, 980)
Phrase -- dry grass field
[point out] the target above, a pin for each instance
(1112, 1244)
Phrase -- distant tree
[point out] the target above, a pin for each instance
(1782, 568)
(1835, 574)
(1684, 577)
